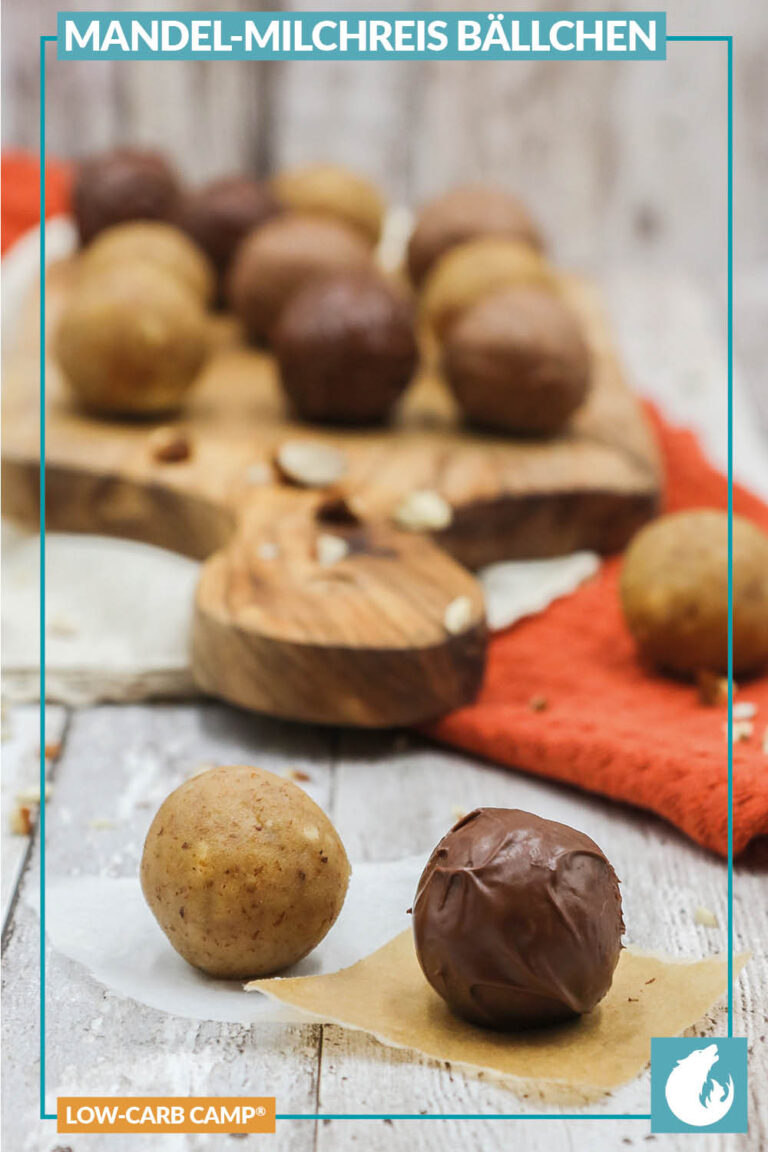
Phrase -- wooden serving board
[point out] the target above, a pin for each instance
(362, 641)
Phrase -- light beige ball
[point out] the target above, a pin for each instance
(463, 214)
(478, 268)
(674, 592)
(131, 341)
(243, 872)
(153, 242)
(333, 191)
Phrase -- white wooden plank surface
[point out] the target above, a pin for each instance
(117, 765)
(622, 161)
(389, 796)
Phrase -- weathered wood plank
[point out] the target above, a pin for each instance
(621, 161)
(20, 786)
(117, 765)
(418, 791)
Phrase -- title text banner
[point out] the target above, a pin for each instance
(361, 35)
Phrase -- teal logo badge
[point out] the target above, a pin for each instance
(699, 1085)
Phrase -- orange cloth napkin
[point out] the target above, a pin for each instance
(611, 725)
(21, 194)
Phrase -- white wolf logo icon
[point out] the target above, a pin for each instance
(693, 1094)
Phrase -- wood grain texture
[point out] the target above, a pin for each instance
(621, 162)
(20, 786)
(104, 476)
(389, 796)
(363, 641)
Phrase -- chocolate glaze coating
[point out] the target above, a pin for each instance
(517, 361)
(124, 184)
(461, 215)
(346, 348)
(218, 215)
(517, 920)
(280, 257)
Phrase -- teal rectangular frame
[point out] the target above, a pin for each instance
(728, 40)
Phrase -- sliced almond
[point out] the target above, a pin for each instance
(423, 510)
(703, 917)
(458, 615)
(743, 731)
(170, 445)
(21, 821)
(310, 463)
(31, 796)
(330, 549)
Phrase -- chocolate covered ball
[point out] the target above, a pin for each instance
(517, 920)
(131, 341)
(346, 348)
(517, 361)
(336, 192)
(674, 592)
(153, 242)
(219, 215)
(477, 269)
(280, 257)
(124, 184)
(464, 214)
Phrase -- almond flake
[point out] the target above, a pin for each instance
(330, 549)
(703, 917)
(458, 615)
(744, 710)
(310, 463)
(423, 510)
(31, 796)
(743, 731)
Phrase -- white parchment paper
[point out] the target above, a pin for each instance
(104, 924)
